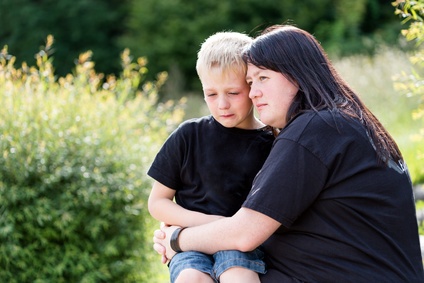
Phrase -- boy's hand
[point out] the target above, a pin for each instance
(161, 241)
(158, 234)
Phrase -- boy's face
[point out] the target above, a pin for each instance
(227, 97)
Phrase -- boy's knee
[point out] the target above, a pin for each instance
(239, 274)
(193, 275)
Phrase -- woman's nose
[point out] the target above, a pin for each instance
(254, 92)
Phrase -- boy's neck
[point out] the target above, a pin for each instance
(253, 124)
(257, 124)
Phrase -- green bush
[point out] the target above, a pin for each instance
(73, 158)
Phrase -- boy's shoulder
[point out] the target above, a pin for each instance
(196, 122)
(209, 127)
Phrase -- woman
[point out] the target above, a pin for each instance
(333, 201)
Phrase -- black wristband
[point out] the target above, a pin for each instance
(174, 240)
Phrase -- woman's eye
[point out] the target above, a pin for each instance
(262, 78)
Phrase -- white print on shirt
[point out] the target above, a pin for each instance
(255, 191)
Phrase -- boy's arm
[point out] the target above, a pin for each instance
(163, 208)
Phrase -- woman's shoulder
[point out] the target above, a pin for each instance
(322, 123)
(303, 121)
(331, 119)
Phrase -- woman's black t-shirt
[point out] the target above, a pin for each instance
(344, 216)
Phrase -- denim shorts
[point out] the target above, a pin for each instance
(216, 264)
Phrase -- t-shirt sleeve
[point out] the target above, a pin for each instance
(290, 180)
(166, 166)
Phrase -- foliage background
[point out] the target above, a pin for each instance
(78, 26)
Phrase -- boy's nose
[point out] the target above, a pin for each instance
(223, 103)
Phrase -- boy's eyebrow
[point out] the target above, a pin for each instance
(232, 88)
(209, 89)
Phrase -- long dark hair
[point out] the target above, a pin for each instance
(297, 55)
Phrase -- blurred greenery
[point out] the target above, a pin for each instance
(77, 25)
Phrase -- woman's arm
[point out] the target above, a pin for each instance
(244, 231)
(163, 208)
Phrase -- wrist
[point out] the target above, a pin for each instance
(174, 242)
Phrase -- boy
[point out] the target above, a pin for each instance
(208, 164)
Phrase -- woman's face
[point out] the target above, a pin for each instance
(271, 93)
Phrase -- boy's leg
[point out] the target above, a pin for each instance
(235, 266)
(191, 267)
(239, 275)
(192, 275)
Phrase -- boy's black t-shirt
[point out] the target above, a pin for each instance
(211, 167)
(345, 218)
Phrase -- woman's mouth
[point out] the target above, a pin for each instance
(259, 106)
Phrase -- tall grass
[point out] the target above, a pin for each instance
(373, 78)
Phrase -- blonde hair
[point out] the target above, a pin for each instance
(223, 50)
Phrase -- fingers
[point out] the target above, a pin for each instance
(158, 235)
(164, 259)
(159, 249)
